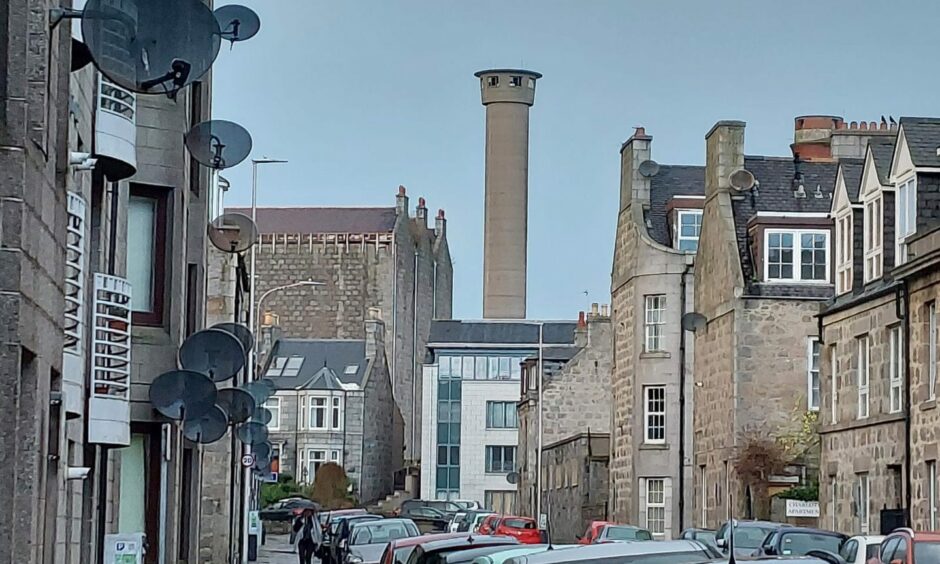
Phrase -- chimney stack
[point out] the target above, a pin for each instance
(421, 212)
(812, 137)
(724, 154)
(507, 95)
(375, 332)
(440, 224)
(401, 201)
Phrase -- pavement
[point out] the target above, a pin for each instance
(277, 550)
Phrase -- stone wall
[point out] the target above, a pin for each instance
(576, 491)
(378, 440)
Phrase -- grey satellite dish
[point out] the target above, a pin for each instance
(151, 47)
(742, 180)
(260, 392)
(207, 429)
(261, 415)
(237, 404)
(262, 450)
(233, 232)
(693, 321)
(269, 383)
(237, 23)
(648, 169)
(512, 477)
(252, 433)
(218, 144)
(182, 394)
(214, 352)
(242, 333)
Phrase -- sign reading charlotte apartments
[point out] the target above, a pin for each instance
(797, 508)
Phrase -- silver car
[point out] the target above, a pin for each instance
(367, 541)
(664, 552)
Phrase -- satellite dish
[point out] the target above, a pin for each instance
(233, 232)
(260, 392)
(207, 429)
(262, 453)
(252, 433)
(648, 169)
(237, 404)
(513, 477)
(151, 47)
(269, 383)
(182, 394)
(242, 333)
(261, 415)
(693, 321)
(237, 23)
(218, 144)
(214, 352)
(742, 180)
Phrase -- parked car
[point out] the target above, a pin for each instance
(664, 552)
(904, 546)
(331, 551)
(398, 551)
(748, 536)
(489, 524)
(368, 539)
(799, 541)
(287, 509)
(468, 504)
(524, 529)
(448, 507)
(428, 519)
(455, 521)
(704, 535)
(861, 549)
(472, 520)
(439, 552)
(622, 533)
(593, 529)
(503, 556)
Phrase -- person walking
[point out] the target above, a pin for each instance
(307, 530)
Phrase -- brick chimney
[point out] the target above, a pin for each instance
(633, 186)
(375, 333)
(440, 224)
(812, 137)
(401, 202)
(581, 332)
(421, 213)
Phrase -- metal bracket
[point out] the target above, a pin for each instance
(56, 15)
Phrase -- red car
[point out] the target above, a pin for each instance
(593, 530)
(399, 550)
(488, 526)
(904, 546)
(523, 529)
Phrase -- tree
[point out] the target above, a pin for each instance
(331, 487)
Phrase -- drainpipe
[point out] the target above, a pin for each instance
(903, 312)
(414, 358)
(682, 309)
(434, 292)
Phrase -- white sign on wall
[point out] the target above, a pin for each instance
(797, 508)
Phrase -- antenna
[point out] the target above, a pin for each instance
(151, 47)
(237, 23)
(214, 352)
(218, 144)
(648, 169)
(232, 232)
(742, 180)
(182, 395)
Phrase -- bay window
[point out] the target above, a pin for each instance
(655, 313)
(688, 229)
(796, 255)
(655, 414)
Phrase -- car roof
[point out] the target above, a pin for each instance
(929, 536)
(810, 530)
(467, 540)
(471, 553)
(756, 523)
(698, 530)
(415, 541)
(506, 517)
(615, 549)
(366, 523)
(868, 538)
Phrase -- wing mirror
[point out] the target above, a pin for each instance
(721, 543)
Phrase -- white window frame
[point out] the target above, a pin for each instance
(314, 406)
(844, 251)
(905, 208)
(813, 346)
(648, 412)
(303, 414)
(863, 486)
(796, 263)
(704, 496)
(896, 370)
(932, 351)
(312, 460)
(336, 413)
(654, 309)
(832, 501)
(277, 366)
(834, 383)
(274, 406)
(863, 376)
(293, 366)
(650, 505)
(874, 239)
(932, 493)
(679, 238)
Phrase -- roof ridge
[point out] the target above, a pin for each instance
(307, 207)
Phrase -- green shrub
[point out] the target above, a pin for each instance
(809, 492)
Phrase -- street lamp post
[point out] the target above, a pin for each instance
(538, 454)
(257, 327)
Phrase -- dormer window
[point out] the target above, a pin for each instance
(874, 239)
(844, 254)
(906, 216)
(796, 256)
(688, 229)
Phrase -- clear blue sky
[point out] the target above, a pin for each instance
(362, 96)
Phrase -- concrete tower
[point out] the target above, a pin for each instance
(507, 95)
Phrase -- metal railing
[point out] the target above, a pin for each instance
(111, 353)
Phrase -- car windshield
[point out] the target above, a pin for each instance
(519, 524)
(927, 551)
(750, 537)
(706, 537)
(380, 533)
(798, 544)
(402, 554)
(626, 534)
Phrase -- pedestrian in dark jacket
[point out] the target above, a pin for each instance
(307, 529)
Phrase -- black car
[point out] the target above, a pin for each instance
(428, 519)
(286, 509)
(748, 535)
(337, 530)
(800, 541)
(447, 507)
(437, 552)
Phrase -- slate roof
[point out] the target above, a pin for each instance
(457, 332)
(334, 354)
(923, 139)
(852, 173)
(882, 151)
(323, 220)
(671, 181)
(775, 194)
(556, 353)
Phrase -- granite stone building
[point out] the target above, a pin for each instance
(576, 400)
(366, 257)
(334, 403)
(879, 366)
(577, 483)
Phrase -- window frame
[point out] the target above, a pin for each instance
(648, 413)
(813, 350)
(653, 330)
(507, 407)
(161, 196)
(895, 370)
(873, 240)
(796, 250)
(834, 383)
(932, 350)
(490, 458)
(703, 471)
(844, 251)
(932, 493)
(336, 413)
(863, 483)
(864, 390)
(904, 209)
(275, 423)
(313, 406)
(649, 505)
(679, 238)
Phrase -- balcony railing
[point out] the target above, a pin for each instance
(73, 356)
(116, 130)
(109, 405)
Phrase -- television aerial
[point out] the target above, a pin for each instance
(182, 394)
(233, 232)
(237, 23)
(214, 352)
(218, 144)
